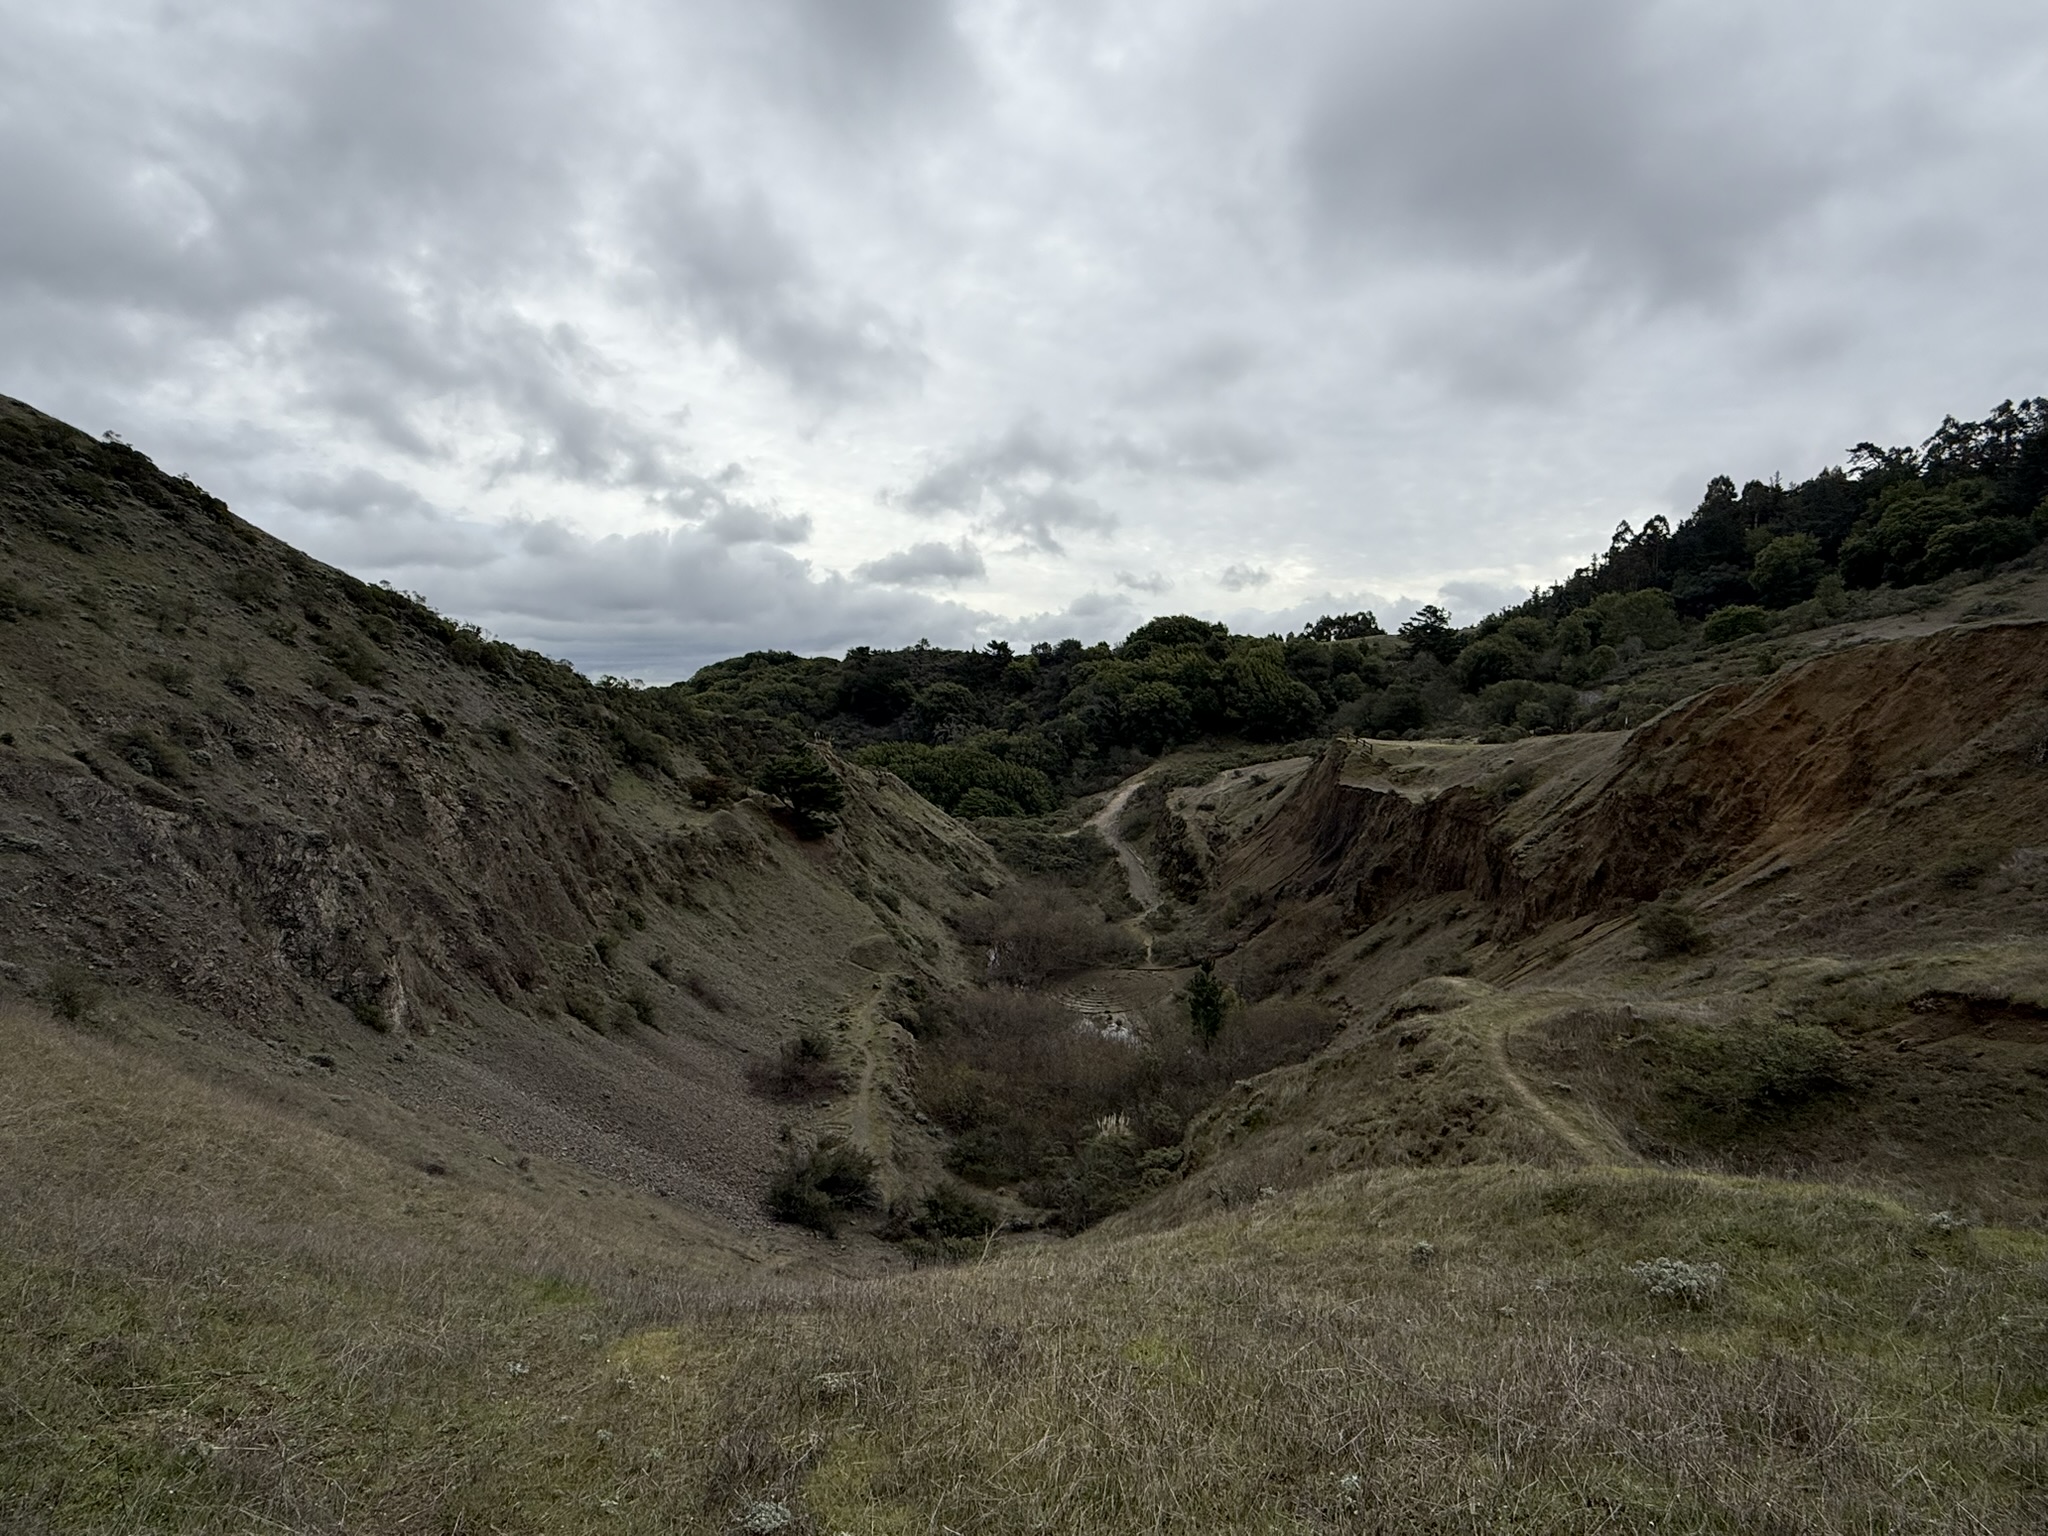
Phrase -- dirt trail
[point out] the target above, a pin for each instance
(1144, 890)
(859, 1115)
(1596, 1151)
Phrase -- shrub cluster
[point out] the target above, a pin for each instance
(1030, 933)
(817, 1189)
(1668, 930)
(1039, 1100)
(801, 1069)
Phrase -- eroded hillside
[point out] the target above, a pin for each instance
(306, 833)
(1849, 861)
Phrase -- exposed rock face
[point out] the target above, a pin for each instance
(1859, 762)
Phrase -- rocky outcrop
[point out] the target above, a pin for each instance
(1739, 777)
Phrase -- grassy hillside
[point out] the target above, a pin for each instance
(221, 1322)
(311, 835)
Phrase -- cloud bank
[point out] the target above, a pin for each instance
(653, 333)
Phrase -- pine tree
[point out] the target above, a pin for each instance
(1207, 1001)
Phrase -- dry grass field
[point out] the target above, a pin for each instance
(219, 1321)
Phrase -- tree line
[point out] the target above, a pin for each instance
(998, 732)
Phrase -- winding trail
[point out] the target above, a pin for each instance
(1597, 1151)
(1144, 890)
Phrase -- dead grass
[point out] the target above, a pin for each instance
(220, 1322)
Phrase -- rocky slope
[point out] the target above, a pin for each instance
(307, 833)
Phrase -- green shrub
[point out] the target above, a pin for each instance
(1208, 1001)
(73, 992)
(1668, 930)
(1734, 622)
(1751, 1069)
(950, 1212)
(355, 659)
(816, 1189)
(714, 791)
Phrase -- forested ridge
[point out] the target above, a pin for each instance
(998, 731)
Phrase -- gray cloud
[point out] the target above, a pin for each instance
(1240, 577)
(1470, 601)
(737, 524)
(743, 279)
(655, 604)
(926, 564)
(1198, 373)
(1429, 297)
(860, 63)
(1021, 483)
(1548, 133)
(1151, 581)
(1212, 449)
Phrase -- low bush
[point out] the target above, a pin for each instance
(1031, 933)
(949, 1225)
(801, 1069)
(1668, 930)
(355, 658)
(1680, 1280)
(171, 676)
(1734, 622)
(817, 1189)
(72, 992)
(1037, 1098)
(1739, 1072)
(714, 791)
(150, 755)
(251, 586)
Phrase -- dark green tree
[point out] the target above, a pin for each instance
(802, 781)
(1430, 633)
(1786, 570)
(1344, 626)
(1207, 1001)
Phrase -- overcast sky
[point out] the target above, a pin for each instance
(648, 333)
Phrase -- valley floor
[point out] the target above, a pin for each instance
(220, 1320)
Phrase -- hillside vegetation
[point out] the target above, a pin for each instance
(995, 732)
(444, 1093)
